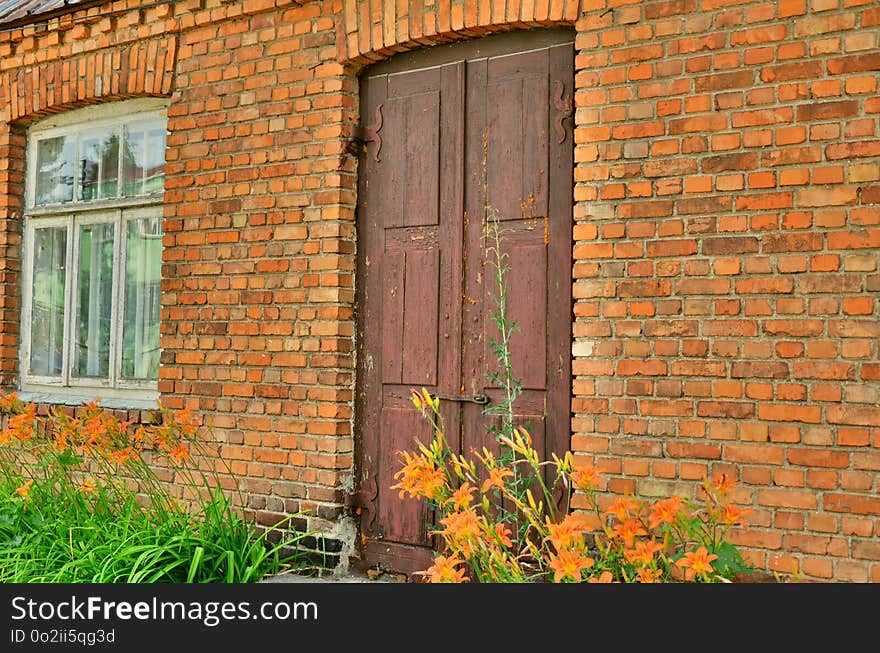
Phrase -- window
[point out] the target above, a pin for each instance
(93, 252)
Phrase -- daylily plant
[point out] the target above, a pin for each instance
(494, 529)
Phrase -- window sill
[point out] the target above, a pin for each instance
(111, 403)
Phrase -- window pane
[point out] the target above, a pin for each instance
(94, 301)
(154, 165)
(54, 170)
(47, 305)
(99, 166)
(89, 166)
(140, 330)
(143, 158)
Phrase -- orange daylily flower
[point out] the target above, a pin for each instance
(502, 533)
(568, 564)
(94, 430)
(734, 515)
(22, 426)
(24, 490)
(496, 479)
(59, 441)
(585, 477)
(665, 512)
(419, 478)
(184, 421)
(410, 474)
(139, 438)
(604, 577)
(179, 453)
(10, 403)
(700, 560)
(722, 484)
(88, 486)
(648, 575)
(643, 553)
(628, 530)
(567, 534)
(444, 570)
(121, 456)
(432, 483)
(462, 497)
(622, 508)
(464, 525)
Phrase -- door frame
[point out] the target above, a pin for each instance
(493, 45)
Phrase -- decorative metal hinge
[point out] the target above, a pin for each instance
(564, 108)
(361, 135)
(363, 503)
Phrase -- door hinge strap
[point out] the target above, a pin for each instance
(474, 399)
(361, 134)
(564, 108)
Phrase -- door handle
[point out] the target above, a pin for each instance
(482, 400)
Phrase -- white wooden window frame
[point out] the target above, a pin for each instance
(71, 215)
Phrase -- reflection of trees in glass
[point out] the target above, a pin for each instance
(99, 166)
(138, 146)
(143, 158)
(47, 302)
(140, 330)
(54, 170)
(94, 296)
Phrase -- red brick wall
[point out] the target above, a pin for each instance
(726, 239)
(12, 146)
(726, 276)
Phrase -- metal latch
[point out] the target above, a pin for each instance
(482, 400)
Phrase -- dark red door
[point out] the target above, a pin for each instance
(449, 130)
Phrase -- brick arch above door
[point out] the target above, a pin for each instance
(366, 33)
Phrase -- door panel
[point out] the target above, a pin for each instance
(450, 129)
(421, 296)
(414, 187)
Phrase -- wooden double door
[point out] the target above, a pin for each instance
(447, 133)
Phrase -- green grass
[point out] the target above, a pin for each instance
(79, 503)
(68, 540)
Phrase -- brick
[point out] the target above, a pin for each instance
(730, 245)
(818, 458)
(792, 71)
(764, 286)
(721, 163)
(725, 81)
(796, 328)
(853, 415)
(646, 368)
(854, 239)
(662, 248)
(668, 8)
(790, 413)
(853, 64)
(761, 370)
(729, 409)
(678, 449)
(795, 155)
(852, 150)
(840, 196)
(703, 287)
(788, 499)
(851, 503)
